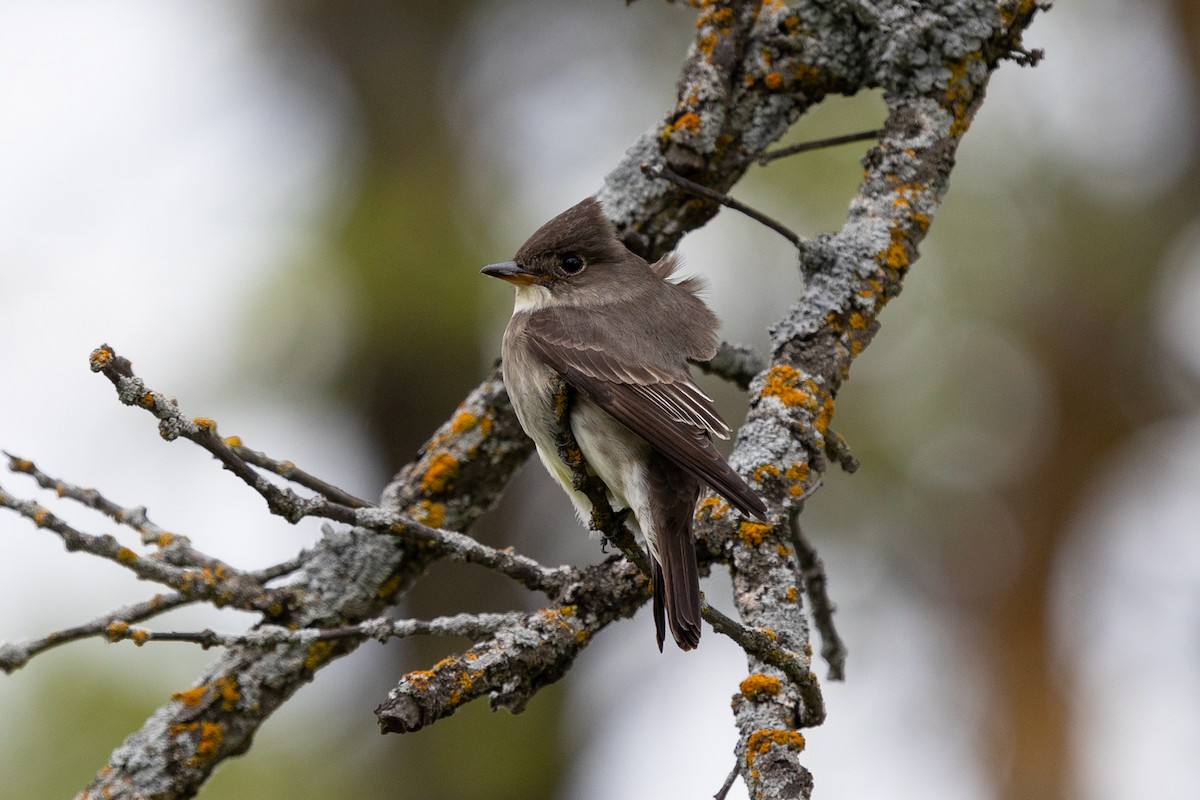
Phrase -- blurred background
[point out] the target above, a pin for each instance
(278, 212)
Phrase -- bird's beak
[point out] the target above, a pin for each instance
(510, 271)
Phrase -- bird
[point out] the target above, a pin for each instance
(620, 332)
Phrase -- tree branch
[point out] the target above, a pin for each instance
(751, 71)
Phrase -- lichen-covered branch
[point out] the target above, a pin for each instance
(751, 71)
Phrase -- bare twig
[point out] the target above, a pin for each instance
(663, 172)
(723, 792)
(471, 626)
(816, 144)
(812, 576)
(14, 655)
(175, 549)
(288, 470)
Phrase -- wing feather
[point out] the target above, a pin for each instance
(663, 407)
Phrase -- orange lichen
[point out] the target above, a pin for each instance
(706, 44)
(761, 741)
(419, 678)
(857, 321)
(781, 382)
(763, 471)
(463, 421)
(689, 121)
(126, 556)
(798, 471)
(191, 697)
(233, 441)
(773, 80)
(824, 415)
(165, 539)
(485, 426)
(211, 736)
(228, 689)
(205, 425)
(714, 505)
(791, 595)
(39, 516)
(115, 630)
(432, 514)
(896, 254)
(101, 357)
(139, 636)
(759, 687)
(753, 533)
(147, 400)
(443, 469)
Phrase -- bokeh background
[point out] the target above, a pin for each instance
(278, 210)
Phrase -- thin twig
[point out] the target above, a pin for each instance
(172, 424)
(14, 655)
(471, 626)
(816, 144)
(665, 173)
(812, 575)
(723, 792)
(289, 471)
(175, 549)
(839, 453)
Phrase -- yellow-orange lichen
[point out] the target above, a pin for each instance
(763, 471)
(773, 80)
(191, 697)
(205, 425)
(115, 630)
(714, 506)
(761, 741)
(463, 421)
(419, 678)
(759, 687)
(431, 514)
(753, 533)
(689, 121)
(211, 737)
(126, 556)
(228, 689)
(442, 470)
(781, 382)
(101, 357)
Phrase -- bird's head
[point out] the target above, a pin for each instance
(574, 259)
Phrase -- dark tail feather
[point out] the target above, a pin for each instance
(680, 583)
(660, 623)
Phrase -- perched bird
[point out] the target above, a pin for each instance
(620, 334)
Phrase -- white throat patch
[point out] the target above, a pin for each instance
(531, 297)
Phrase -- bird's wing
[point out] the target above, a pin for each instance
(659, 403)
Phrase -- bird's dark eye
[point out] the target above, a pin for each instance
(572, 265)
